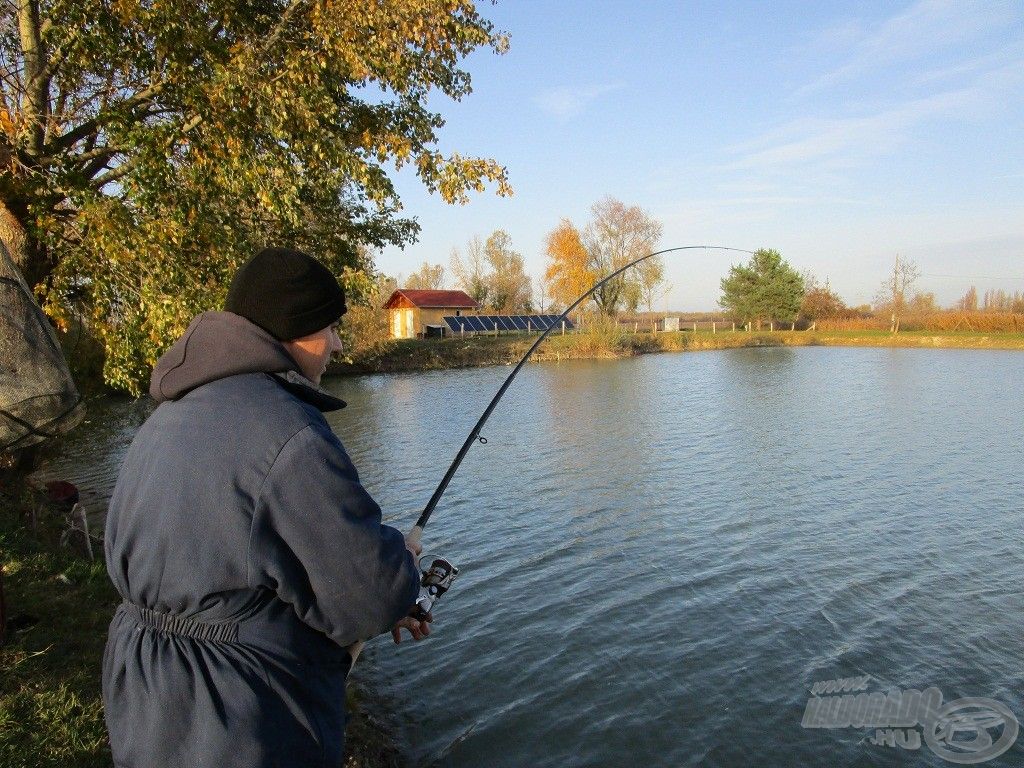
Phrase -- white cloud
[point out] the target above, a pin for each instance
(841, 142)
(925, 27)
(566, 102)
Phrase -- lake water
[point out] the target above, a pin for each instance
(661, 556)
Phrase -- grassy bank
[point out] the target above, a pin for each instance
(437, 354)
(58, 608)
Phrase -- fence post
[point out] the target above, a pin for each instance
(713, 327)
(771, 325)
(636, 327)
(792, 326)
(563, 327)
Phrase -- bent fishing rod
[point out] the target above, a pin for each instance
(438, 577)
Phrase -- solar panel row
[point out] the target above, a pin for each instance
(490, 323)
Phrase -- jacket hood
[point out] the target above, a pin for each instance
(217, 345)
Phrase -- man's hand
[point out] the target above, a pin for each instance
(418, 629)
(412, 543)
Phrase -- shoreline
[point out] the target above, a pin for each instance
(410, 355)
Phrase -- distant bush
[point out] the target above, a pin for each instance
(986, 322)
(598, 335)
(952, 320)
(853, 324)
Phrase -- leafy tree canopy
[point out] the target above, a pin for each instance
(509, 288)
(429, 277)
(820, 302)
(617, 235)
(146, 148)
(567, 274)
(766, 288)
(494, 274)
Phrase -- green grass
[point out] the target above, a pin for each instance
(60, 605)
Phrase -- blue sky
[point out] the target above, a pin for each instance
(840, 134)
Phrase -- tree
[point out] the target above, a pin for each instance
(766, 288)
(617, 235)
(820, 302)
(892, 297)
(429, 276)
(969, 301)
(922, 303)
(509, 290)
(567, 274)
(147, 148)
(541, 292)
(650, 281)
(367, 324)
(998, 300)
(471, 272)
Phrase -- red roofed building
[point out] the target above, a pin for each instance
(412, 310)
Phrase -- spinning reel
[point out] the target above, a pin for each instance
(436, 580)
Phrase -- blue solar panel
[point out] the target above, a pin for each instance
(459, 325)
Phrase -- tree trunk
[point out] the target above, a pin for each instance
(31, 257)
(13, 235)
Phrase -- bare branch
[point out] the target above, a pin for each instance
(275, 34)
(89, 127)
(114, 174)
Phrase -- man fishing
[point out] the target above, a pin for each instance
(247, 553)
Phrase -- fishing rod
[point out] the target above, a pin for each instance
(441, 573)
(437, 578)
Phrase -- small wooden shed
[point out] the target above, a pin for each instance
(412, 310)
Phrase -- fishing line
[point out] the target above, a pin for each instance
(474, 434)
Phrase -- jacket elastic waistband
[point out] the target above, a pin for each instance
(177, 625)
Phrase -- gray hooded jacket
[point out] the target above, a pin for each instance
(248, 556)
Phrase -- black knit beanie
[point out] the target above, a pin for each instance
(286, 293)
